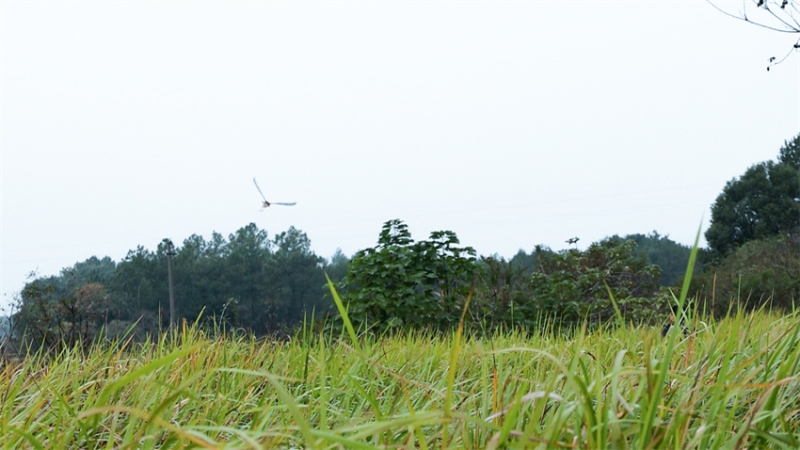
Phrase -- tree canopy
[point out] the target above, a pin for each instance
(248, 281)
(401, 283)
(761, 203)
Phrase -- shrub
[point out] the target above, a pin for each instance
(764, 272)
(401, 283)
(54, 320)
(572, 286)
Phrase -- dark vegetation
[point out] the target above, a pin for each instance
(252, 283)
(248, 282)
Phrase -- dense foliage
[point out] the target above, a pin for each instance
(670, 256)
(248, 281)
(400, 283)
(53, 319)
(763, 202)
(754, 238)
(573, 286)
(760, 273)
(570, 288)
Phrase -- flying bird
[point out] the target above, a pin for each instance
(572, 240)
(267, 204)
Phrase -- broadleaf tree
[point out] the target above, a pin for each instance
(400, 283)
(761, 203)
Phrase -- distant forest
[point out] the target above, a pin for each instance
(671, 257)
(249, 280)
(268, 285)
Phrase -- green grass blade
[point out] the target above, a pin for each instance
(343, 312)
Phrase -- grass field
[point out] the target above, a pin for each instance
(731, 383)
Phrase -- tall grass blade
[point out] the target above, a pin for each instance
(654, 398)
(343, 312)
(451, 371)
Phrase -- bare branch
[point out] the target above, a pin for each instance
(772, 61)
(790, 28)
(786, 18)
(782, 12)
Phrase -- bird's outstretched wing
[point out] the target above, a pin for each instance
(259, 189)
(266, 203)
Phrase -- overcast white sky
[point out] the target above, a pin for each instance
(512, 124)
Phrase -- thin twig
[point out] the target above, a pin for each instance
(744, 18)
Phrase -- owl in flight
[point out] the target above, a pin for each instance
(267, 204)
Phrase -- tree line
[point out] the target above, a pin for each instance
(752, 261)
(249, 281)
(264, 285)
(753, 253)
